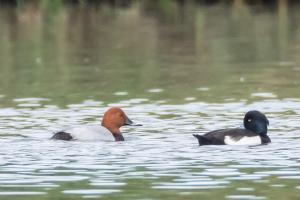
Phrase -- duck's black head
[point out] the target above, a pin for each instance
(256, 122)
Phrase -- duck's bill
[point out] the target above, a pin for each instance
(128, 122)
(134, 124)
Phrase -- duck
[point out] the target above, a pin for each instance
(254, 132)
(109, 130)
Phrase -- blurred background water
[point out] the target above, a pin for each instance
(177, 67)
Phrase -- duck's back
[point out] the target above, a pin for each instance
(230, 137)
(91, 132)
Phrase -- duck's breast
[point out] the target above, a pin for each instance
(91, 132)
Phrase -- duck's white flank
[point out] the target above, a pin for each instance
(92, 132)
(255, 140)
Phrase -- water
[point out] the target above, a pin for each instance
(189, 69)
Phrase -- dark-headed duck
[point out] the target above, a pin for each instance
(254, 133)
(114, 118)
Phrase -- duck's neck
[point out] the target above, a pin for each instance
(264, 133)
(262, 130)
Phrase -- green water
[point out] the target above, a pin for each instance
(76, 52)
(177, 68)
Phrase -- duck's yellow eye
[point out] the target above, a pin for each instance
(249, 120)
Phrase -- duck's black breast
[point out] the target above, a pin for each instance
(218, 137)
(265, 139)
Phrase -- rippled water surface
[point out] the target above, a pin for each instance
(178, 69)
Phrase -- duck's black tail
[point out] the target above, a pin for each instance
(62, 136)
(201, 139)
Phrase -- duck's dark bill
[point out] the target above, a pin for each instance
(128, 122)
(135, 124)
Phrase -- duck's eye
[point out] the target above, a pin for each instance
(249, 120)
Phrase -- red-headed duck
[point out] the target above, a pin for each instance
(114, 118)
(254, 133)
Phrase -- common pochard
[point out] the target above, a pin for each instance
(114, 118)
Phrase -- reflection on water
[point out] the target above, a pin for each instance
(89, 51)
(178, 68)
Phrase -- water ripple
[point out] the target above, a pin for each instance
(161, 155)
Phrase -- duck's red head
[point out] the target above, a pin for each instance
(114, 118)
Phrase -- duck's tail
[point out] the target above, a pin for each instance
(62, 136)
(201, 139)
